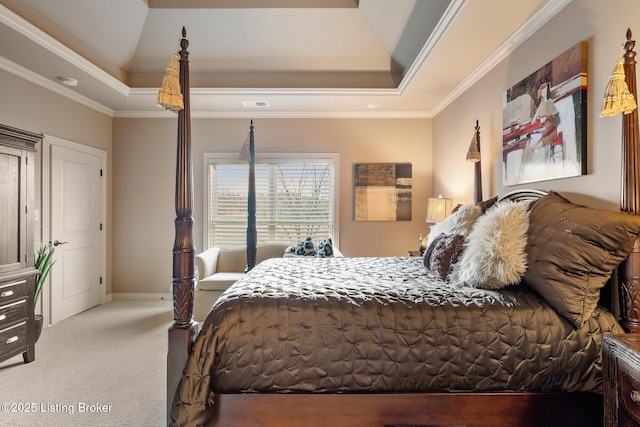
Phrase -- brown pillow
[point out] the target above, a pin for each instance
(426, 258)
(572, 251)
(445, 254)
(484, 205)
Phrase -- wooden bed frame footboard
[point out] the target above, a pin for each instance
(507, 409)
(390, 409)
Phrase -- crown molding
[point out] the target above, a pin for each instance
(48, 84)
(38, 36)
(277, 115)
(450, 15)
(544, 15)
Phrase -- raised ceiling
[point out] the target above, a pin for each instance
(302, 58)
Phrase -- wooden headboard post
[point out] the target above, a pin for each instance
(184, 328)
(252, 233)
(477, 170)
(630, 199)
(629, 271)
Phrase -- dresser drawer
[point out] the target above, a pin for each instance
(13, 312)
(13, 339)
(13, 290)
(629, 389)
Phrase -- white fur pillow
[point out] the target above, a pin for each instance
(460, 222)
(494, 254)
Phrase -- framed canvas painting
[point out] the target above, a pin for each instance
(544, 128)
(382, 191)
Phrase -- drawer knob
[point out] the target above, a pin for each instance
(12, 339)
(635, 396)
(6, 294)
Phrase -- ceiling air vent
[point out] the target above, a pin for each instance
(250, 104)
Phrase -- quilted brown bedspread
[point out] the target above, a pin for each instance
(381, 325)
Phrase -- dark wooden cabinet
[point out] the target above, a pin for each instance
(17, 274)
(621, 376)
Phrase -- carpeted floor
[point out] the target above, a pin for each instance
(103, 367)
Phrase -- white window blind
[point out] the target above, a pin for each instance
(295, 199)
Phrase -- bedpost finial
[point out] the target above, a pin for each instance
(629, 44)
(184, 43)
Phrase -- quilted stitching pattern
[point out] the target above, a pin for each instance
(380, 324)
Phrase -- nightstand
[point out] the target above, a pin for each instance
(621, 379)
(415, 253)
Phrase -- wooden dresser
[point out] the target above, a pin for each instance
(17, 274)
(621, 376)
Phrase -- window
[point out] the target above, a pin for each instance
(295, 198)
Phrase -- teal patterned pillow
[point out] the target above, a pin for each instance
(325, 248)
(304, 248)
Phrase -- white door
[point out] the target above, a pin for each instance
(75, 211)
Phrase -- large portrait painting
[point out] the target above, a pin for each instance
(544, 121)
(382, 191)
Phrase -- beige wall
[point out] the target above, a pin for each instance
(144, 174)
(603, 25)
(30, 107)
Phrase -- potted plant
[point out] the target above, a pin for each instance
(44, 261)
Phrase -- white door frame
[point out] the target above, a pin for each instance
(47, 143)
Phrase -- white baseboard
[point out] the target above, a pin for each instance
(131, 296)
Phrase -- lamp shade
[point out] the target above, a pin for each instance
(438, 209)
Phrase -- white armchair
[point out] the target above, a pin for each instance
(217, 269)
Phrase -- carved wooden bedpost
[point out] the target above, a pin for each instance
(477, 188)
(252, 233)
(184, 328)
(629, 271)
(473, 155)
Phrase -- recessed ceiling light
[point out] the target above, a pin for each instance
(250, 104)
(373, 106)
(68, 81)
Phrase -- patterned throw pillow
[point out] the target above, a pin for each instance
(426, 257)
(445, 254)
(325, 248)
(304, 248)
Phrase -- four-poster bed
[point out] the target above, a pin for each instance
(471, 405)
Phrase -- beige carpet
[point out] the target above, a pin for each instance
(103, 367)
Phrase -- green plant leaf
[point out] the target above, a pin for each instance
(44, 261)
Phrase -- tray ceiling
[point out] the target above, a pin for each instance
(302, 58)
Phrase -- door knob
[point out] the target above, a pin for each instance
(58, 243)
